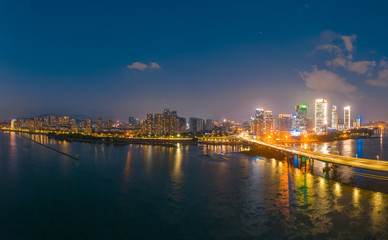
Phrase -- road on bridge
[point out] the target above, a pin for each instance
(330, 158)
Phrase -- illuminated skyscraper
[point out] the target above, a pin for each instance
(13, 123)
(347, 117)
(268, 122)
(284, 123)
(320, 115)
(259, 122)
(89, 125)
(334, 117)
(301, 117)
(358, 122)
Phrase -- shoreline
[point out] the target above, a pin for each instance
(76, 137)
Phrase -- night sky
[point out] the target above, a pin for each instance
(115, 59)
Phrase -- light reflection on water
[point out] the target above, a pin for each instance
(188, 192)
(360, 148)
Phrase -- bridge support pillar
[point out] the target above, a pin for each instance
(326, 168)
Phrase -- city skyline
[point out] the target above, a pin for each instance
(74, 60)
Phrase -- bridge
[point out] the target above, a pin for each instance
(369, 164)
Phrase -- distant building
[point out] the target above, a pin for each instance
(13, 121)
(89, 125)
(358, 122)
(209, 125)
(148, 125)
(46, 122)
(196, 125)
(334, 117)
(99, 125)
(182, 124)
(268, 122)
(53, 121)
(320, 115)
(259, 122)
(301, 118)
(284, 123)
(133, 122)
(347, 118)
(73, 125)
(108, 125)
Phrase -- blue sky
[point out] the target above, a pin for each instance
(211, 59)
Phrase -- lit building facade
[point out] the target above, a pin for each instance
(334, 117)
(99, 125)
(301, 118)
(347, 119)
(284, 123)
(320, 115)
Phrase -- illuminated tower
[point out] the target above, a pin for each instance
(346, 117)
(334, 117)
(301, 117)
(358, 122)
(320, 115)
(268, 122)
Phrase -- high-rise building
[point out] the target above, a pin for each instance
(46, 121)
(166, 123)
(108, 125)
(13, 121)
(182, 124)
(301, 118)
(334, 117)
(347, 119)
(259, 113)
(148, 125)
(159, 124)
(89, 125)
(73, 125)
(99, 125)
(258, 123)
(53, 121)
(193, 124)
(284, 123)
(268, 122)
(133, 122)
(358, 122)
(196, 125)
(320, 115)
(209, 125)
(200, 125)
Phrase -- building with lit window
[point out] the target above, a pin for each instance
(99, 125)
(301, 118)
(334, 117)
(347, 119)
(358, 122)
(320, 115)
(284, 123)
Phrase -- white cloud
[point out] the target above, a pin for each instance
(154, 65)
(142, 66)
(381, 81)
(383, 63)
(326, 80)
(331, 48)
(336, 62)
(348, 40)
(138, 65)
(361, 67)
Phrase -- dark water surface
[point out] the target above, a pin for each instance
(191, 192)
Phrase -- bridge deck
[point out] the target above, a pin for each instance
(331, 158)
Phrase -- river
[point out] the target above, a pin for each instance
(187, 192)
